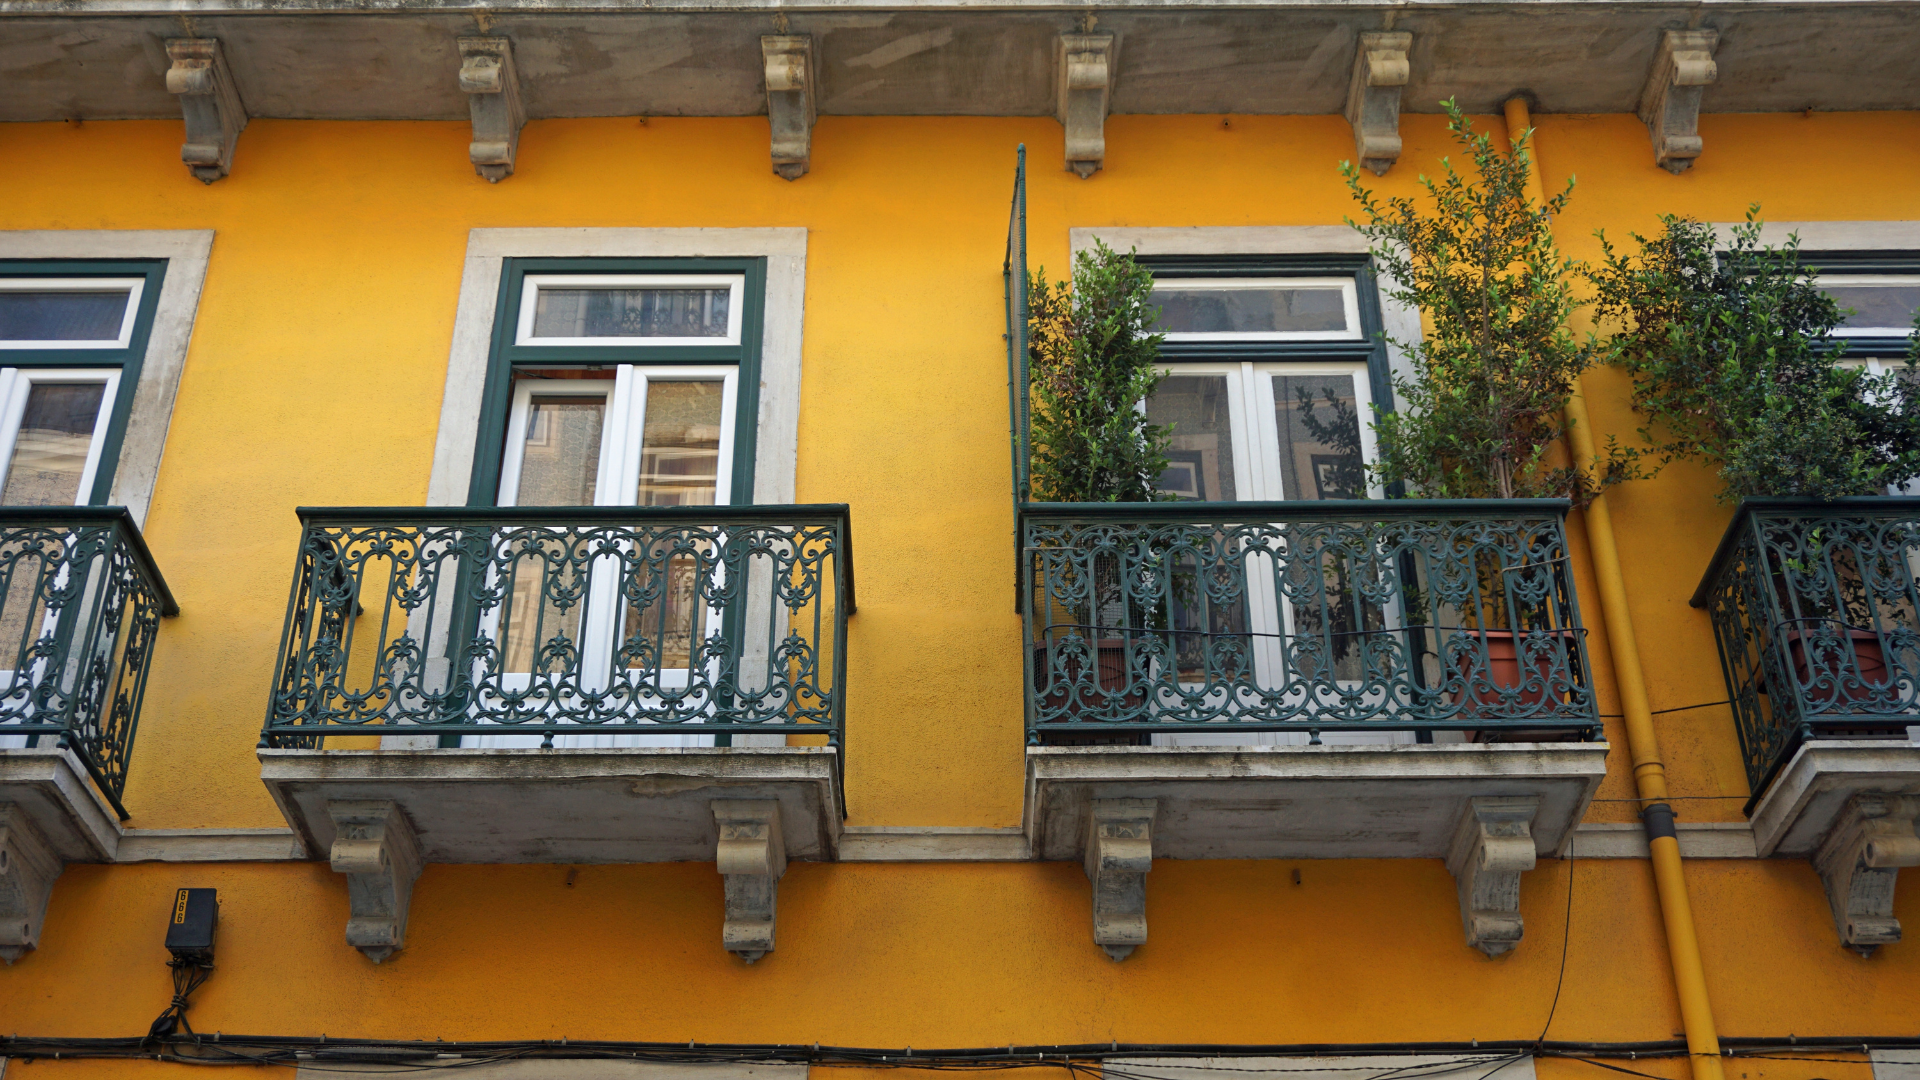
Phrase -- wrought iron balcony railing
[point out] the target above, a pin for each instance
(596, 626)
(80, 607)
(1309, 617)
(1814, 609)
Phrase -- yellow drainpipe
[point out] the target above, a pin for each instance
(1649, 774)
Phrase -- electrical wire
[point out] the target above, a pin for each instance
(1566, 936)
(188, 975)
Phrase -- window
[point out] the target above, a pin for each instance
(1273, 367)
(72, 336)
(1881, 292)
(617, 383)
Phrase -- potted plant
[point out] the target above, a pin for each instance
(1093, 360)
(1483, 405)
(1728, 342)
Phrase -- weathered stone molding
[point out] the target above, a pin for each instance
(210, 104)
(752, 856)
(28, 867)
(789, 73)
(492, 86)
(1084, 78)
(1119, 855)
(1860, 861)
(1670, 104)
(375, 847)
(1380, 70)
(1492, 846)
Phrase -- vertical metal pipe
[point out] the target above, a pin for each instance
(1649, 772)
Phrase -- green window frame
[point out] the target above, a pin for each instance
(128, 358)
(1865, 264)
(507, 354)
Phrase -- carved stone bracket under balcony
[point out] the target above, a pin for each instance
(752, 857)
(28, 867)
(492, 86)
(210, 104)
(1860, 861)
(790, 92)
(1380, 70)
(1084, 80)
(51, 814)
(1492, 846)
(1670, 104)
(375, 847)
(1119, 855)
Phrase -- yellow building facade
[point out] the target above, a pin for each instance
(332, 299)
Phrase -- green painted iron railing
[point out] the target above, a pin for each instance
(1814, 610)
(80, 607)
(565, 626)
(1308, 617)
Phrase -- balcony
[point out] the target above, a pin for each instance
(580, 685)
(1336, 679)
(80, 607)
(1814, 610)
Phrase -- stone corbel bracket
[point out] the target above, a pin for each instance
(1670, 104)
(375, 847)
(1380, 71)
(789, 62)
(1119, 855)
(1859, 862)
(1084, 78)
(492, 86)
(210, 104)
(752, 856)
(28, 867)
(1492, 847)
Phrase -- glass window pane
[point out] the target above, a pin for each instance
(50, 452)
(62, 316)
(1318, 420)
(1878, 306)
(1201, 454)
(562, 450)
(1265, 310)
(631, 313)
(680, 443)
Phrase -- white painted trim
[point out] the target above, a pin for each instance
(532, 284)
(187, 252)
(1698, 840)
(1488, 1066)
(129, 314)
(933, 843)
(1401, 322)
(206, 845)
(1895, 1064)
(1836, 235)
(779, 422)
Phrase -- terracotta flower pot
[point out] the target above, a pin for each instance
(1828, 663)
(1504, 670)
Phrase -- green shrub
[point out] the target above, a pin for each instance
(1092, 360)
(1494, 371)
(1732, 366)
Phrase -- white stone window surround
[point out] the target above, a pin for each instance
(785, 250)
(1400, 321)
(186, 252)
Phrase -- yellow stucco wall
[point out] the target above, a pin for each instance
(315, 378)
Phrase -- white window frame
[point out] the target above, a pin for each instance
(15, 386)
(531, 285)
(1868, 280)
(618, 472)
(132, 286)
(1349, 295)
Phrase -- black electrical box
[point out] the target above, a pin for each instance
(191, 924)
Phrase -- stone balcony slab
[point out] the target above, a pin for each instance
(1807, 798)
(563, 805)
(1308, 802)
